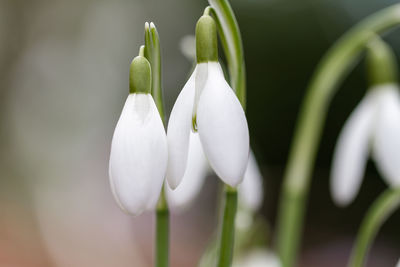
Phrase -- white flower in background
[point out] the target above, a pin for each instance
(139, 153)
(374, 126)
(250, 191)
(398, 264)
(187, 46)
(209, 106)
(258, 258)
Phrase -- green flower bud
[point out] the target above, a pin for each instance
(140, 76)
(381, 63)
(206, 40)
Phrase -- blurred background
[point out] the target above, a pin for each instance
(63, 81)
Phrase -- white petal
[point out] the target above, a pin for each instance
(192, 182)
(179, 128)
(351, 151)
(386, 146)
(222, 127)
(139, 155)
(258, 258)
(251, 189)
(116, 197)
(201, 79)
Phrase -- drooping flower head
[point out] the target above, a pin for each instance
(208, 107)
(139, 153)
(373, 126)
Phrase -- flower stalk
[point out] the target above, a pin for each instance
(384, 206)
(153, 54)
(331, 71)
(162, 232)
(228, 228)
(231, 40)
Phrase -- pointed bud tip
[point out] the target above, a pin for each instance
(140, 75)
(146, 25)
(141, 50)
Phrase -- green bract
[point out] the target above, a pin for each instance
(140, 76)
(381, 63)
(206, 40)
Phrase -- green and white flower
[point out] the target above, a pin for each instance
(208, 107)
(374, 126)
(139, 153)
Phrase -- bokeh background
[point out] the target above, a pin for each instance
(63, 81)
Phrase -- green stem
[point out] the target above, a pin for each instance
(162, 233)
(387, 203)
(228, 228)
(231, 40)
(332, 69)
(153, 54)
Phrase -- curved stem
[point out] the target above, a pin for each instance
(153, 54)
(231, 40)
(332, 69)
(228, 228)
(387, 203)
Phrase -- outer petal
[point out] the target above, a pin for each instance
(351, 151)
(251, 189)
(223, 128)
(139, 155)
(201, 79)
(179, 128)
(192, 182)
(386, 146)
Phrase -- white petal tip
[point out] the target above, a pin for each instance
(341, 201)
(173, 184)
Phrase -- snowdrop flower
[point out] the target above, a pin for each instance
(208, 106)
(139, 153)
(258, 258)
(197, 168)
(373, 126)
